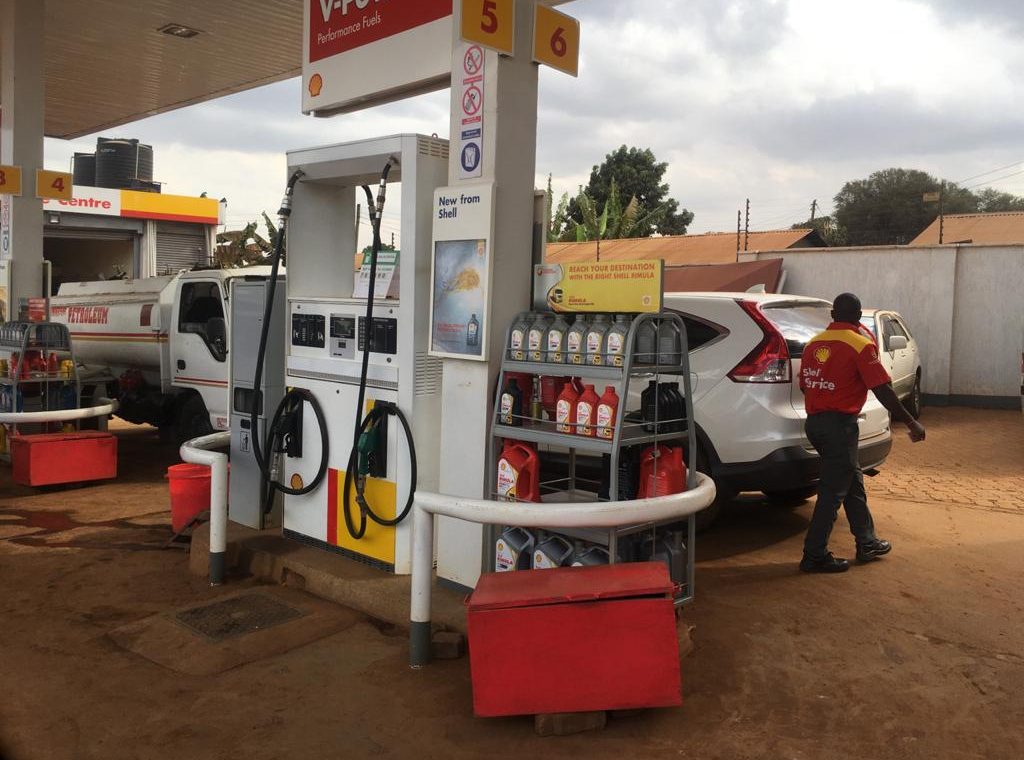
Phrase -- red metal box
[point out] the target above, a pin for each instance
(574, 639)
(48, 459)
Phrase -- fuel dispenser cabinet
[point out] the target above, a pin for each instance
(247, 495)
(327, 333)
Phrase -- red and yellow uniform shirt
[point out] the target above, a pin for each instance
(838, 368)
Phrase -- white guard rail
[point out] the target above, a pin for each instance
(106, 407)
(197, 451)
(603, 514)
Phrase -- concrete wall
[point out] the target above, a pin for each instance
(964, 304)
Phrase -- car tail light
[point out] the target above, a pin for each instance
(769, 361)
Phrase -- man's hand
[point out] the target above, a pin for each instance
(915, 430)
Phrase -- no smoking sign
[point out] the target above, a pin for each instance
(472, 128)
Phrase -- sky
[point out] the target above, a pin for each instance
(778, 101)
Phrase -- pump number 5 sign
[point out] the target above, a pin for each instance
(54, 185)
(556, 40)
(490, 23)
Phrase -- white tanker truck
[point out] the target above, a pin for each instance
(159, 345)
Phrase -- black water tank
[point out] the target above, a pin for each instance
(120, 162)
(84, 169)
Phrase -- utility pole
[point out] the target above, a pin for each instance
(814, 208)
(739, 229)
(392, 239)
(746, 226)
(942, 192)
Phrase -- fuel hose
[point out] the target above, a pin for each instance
(381, 408)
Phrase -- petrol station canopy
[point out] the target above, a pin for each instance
(111, 62)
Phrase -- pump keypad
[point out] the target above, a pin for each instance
(309, 330)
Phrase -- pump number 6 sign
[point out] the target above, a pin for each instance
(556, 40)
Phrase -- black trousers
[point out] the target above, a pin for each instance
(835, 436)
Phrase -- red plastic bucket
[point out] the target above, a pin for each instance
(190, 492)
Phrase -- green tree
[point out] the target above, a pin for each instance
(558, 216)
(991, 200)
(888, 208)
(638, 175)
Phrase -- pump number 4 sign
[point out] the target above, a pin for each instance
(54, 185)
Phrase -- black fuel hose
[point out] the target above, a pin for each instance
(298, 395)
(381, 408)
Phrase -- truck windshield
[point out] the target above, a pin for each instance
(798, 323)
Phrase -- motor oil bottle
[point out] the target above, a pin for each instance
(535, 337)
(648, 406)
(565, 409)
(511, 410)
(550, 387)
(576, 341)
(667, 547)
(553, 551)
(586, 411)
(513, 550)
(662, 472)
(473, 331)
(554, 342)
(596, 340)
(670, 344)
(676, 407)
(645, 347)
(536, 407)
(607, 409)
(517, 336)
(589, 556)
(518, 473)
(615, 342)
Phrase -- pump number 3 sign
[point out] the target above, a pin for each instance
(55, 185)
(556, 40)
(10, 180)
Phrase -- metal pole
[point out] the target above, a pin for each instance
(197, 451)
(739, 229)
(746, 226)
(422, 566)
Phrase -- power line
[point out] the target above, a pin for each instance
(997, 179)
(991, 171)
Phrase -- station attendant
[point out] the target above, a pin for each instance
(838, 368)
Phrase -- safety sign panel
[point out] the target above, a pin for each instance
(471, 122)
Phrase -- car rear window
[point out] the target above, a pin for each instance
(798, 323)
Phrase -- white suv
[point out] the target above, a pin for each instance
(745, 354)
(899, 354)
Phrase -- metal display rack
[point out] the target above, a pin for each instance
(23, 389)
(630, 430)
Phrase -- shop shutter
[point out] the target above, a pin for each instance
(179, 246)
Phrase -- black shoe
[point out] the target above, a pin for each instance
(826, 564)
(872, 550)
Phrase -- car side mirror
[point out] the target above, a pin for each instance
(897, 343)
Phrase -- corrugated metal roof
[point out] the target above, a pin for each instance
(106, 63)
(730, 278)
(709, 248)
(1001, 227)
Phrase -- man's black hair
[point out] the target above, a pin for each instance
(846, 308)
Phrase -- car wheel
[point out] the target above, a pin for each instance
(914, 400)
(707, 516)
(192, 420)
(791, 497)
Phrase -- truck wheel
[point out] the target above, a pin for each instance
(192, 420)
(914, 401)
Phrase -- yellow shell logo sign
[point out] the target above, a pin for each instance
(316, 83)
(822, 354)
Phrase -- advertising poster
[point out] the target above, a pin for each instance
(616, 286)
(460, 297)
(461, 271)
(5, 285)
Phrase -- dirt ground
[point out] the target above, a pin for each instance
(919, 655)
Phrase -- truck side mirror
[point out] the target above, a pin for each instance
(217, 336)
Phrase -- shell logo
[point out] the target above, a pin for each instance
(316, 84)
(822, 354)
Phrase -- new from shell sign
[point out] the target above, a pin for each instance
(359, 53)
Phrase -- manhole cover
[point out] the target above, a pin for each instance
(237, 616)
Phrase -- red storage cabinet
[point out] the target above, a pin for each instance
(49, 459)
(574, 639)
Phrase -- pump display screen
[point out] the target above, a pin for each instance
(343, 327)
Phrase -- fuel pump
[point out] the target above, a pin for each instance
(356, 358)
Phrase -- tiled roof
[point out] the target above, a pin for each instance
(709, 248)
(1000, 227)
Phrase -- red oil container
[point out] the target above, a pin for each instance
(586, 412)
(593, 638)
(565, 410)
(662, 471)
(607, 409)
(518, 472)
